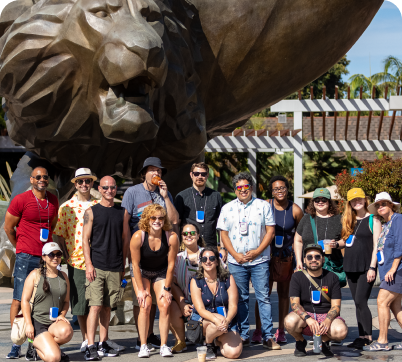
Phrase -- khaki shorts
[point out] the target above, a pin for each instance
(135, 301)
(105, 289)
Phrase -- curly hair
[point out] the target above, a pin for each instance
(332, 209)
(150, 211)
(242, 176)
(278, 178)
(200, 241)
(222, 273)
(349, 219)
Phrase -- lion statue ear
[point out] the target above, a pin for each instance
(12, 11)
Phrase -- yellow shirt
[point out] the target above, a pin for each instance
(69, 226)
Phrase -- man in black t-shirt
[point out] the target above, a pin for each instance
(315, 312)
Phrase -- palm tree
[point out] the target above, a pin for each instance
(392, 74)
(360, 80)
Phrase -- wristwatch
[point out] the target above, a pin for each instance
(167, 289)
(307, 317)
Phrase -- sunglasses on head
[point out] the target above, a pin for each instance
(53, 255)
(160, 218)
(186, 233)
(107, 187)
(38, 177)
(86, 180)
(202, 174)
(317, 200)
(204, 259)
(243, 187)
(311, 257)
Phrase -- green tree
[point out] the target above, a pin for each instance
(392, 74)
(2, 121)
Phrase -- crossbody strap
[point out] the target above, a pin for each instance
(316, 286)
(31, 301)
(312, 221)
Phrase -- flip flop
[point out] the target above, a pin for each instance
(376, 346)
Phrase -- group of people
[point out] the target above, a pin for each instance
(193, 258)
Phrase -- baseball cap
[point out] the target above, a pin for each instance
(322, 192)
(313, 247)
(355, 193)
(49, 247)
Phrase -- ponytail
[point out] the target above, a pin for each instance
(43, 270)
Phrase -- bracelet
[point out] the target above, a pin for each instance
(372, 268)
(337, 245)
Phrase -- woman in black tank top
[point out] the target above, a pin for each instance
(153, 252)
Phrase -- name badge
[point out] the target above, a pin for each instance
(321, 243)
(53, 313)
(200, 215)
(380, 257)
(278, 241)
(243, 228)
(350, 240)
(44, 235)
(315, 297)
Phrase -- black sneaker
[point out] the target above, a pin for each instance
(246, 342)
(326, 350)
(91, 354)
(104, 350)
(210, 351)
(64, 357)
(31, 354)
(300, 350)
(154, 341)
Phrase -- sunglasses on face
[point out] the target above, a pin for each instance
(320, 199)
(38, 177)
(202, 174)
(186, 233)
(243, 187)
(275, 191)
(86, 180)
(311, 257)
(381, 204)
(107, 187)
(53, 255)
(204, 259)
(160, 218)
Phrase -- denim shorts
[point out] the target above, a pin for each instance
(24, 264)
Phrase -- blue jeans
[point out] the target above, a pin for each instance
(259, 275)
(24, 264)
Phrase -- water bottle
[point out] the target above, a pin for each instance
(123, 283)
(317, 344)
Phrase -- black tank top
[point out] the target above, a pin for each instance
(107, 238)
(154, 260)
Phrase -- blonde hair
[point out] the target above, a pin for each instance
(149, 211)
(349, 219)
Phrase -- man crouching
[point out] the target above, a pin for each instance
(315, 298)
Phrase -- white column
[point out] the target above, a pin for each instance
(252, 166)
(298, 159)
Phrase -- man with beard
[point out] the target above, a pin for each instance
(315, 298)
(201, 205)
(29, 223)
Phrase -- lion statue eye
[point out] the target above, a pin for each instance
(101, 14)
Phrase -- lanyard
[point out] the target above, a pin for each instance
(239, 211)
(58, 278)
(312, 304)
(284, 218)
(326, 227)
(40, 207)
(195, 205)
(358, 226)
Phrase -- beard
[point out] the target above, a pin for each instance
(314, 267)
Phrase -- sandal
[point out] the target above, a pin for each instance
(377, 346)
(399, 346)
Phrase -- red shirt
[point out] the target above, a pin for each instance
(28, 229)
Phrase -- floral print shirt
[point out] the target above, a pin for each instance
(69, 226)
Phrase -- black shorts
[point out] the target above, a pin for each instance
(39, 327)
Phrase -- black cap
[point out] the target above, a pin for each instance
(313, 247)
(153, 161)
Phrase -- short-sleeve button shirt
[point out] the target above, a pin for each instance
(69, 226)
(257, 214)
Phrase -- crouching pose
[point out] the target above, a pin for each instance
(315, 298)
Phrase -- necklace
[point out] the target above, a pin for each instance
(210, 280)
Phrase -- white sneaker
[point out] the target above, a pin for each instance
(165, 351)
(115, 346)
(144, 352)
(84, 346)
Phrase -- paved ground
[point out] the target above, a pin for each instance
(126, 335)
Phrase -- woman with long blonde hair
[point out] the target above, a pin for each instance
(360, 232)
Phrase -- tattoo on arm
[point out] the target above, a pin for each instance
(12, 232)
(333, 312)
(86, 217)
(297, 308)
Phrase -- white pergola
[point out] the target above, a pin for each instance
(253, 141)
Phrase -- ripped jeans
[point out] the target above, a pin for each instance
(24, 264)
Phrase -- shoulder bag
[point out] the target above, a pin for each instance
(194, 331)
(18, 330)
(312, 281)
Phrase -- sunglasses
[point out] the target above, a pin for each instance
(204, 259)
(320, 199)
(381, 204)
(86, 180)
(311, 257)
(161, 218)
(186, 233)
(53, 255)
(243, 187)
(38, 177)
(283, 188)
(202, 174)
(107, 187)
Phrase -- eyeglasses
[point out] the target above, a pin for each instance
(186, 233)
(381, 204)
(53, 255)
(107, 187)
(38, 177)
(311, 257)
(282, 188)
(86, 180)
(243, 187)
(202, 174)
(320, 199)
(204, 259)
(160, 218)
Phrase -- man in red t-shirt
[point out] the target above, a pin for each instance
(29, 223)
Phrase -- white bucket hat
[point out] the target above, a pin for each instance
(83, 173)
(380, 197)
(49, 247)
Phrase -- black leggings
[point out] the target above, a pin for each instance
(361, 290)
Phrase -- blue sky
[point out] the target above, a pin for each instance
(382, 38)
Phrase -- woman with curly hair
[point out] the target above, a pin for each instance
(153, 252)
(215, 297)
